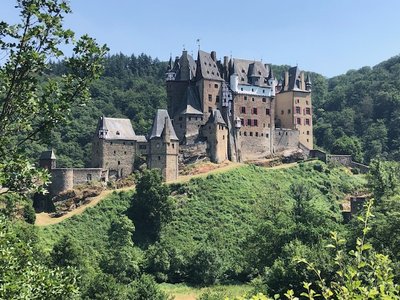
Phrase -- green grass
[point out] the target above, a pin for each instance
(183, 291)
(220, 210)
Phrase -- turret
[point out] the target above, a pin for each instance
(308, 83)
(47, 160)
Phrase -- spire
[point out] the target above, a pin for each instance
(170, 63)
(308, 83)
(271, 73)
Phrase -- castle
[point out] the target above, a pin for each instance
(237, 106)
(233, 109)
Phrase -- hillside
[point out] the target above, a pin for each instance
(219, 219)
(358, 112)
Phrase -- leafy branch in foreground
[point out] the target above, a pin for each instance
(32, 103)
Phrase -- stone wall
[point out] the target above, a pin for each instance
(344, 160)
(285, 139)
(86, 175)
(164, 156)
(192, 153)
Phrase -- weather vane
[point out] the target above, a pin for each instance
(198, 43)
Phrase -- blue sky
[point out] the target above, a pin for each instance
(325, 36)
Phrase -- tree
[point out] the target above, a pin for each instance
(122, 261)
(66, 253)
(22, 276)
(348, 146)
(151, 207)
(32, 103)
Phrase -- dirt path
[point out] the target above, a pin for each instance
(44, 219)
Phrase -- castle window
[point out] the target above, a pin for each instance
(282, 112)
(307, 102)
(308, 111)
(254, 110)
(279, 133)
(251, 133)
(208, 72)
(142, 147)
(115, 152)
(267, 135)
(217, 99)
(245, 133)
(267, 111)
(242, 121)
(252, 90)
(216, 86)
(298, 110)
(159, 158)
(256, 133)
(242, 80)
(255, 122)
(190, 118)
(209, 97)
(240, 133)
(269, 125)
(123, 143)
(243, 110)
(248, 122)
(131, 143)
(124, 152)
(217, 74)
(286, 133)
(173, 145)
(262, 134)
(209, 109)
(252, 99)
(119, 163)
(209, 85)
(297, 100)
(201, 118)
(307, 121)
(243, 71)
(111, 143)
(308, 133)
(223, 137)
(117, 132)
(264, 99)
(245, 97)
(288, 111)
(298, 121)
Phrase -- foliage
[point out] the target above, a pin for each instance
(31, 103)
(23, 276)
(151, 207)
(29, 214)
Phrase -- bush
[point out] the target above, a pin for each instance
(29, 214)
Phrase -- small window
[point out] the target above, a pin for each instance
(264, 99)
(243, 110)
(245, 133)
(119, 163)
(216, 86)
(255, 122)
(242, 121)
(190, 118)
(307, 102)
(267, 111)
(241, 89)
(256, 133)
(159, 158)
(209, 97)
(298, 111)
(282, 112)
(308, 133)
(251, 133)
(131, 143)
(217, 99)
(254, 110)
(209, 109)
(115, 152)
(298, 121)
(308, 111)
(252, 99)
(223, 137)
(124, 152)
(267, 135)
(117, 132)
(248, 122)
(245, 97)
(173, 145)
(307, 121)
(288, 111)
(180, 118)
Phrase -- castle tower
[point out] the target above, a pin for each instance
(47, 160)
(114, 147)
(294, 107)
(163, 146)
(216, 132)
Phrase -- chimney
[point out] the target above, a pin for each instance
(302, 85)
(285, 88)
(214, 55)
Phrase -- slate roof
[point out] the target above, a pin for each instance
(192, 100)
(207, 68)
(178, 65)
(141, 139)
(117, 129)
(294, 78)
(49, 154)
(248, 68)
(216, 117)
(161, 120)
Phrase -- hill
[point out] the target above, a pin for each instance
(217, 233)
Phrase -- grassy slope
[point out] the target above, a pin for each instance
(222, 208)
